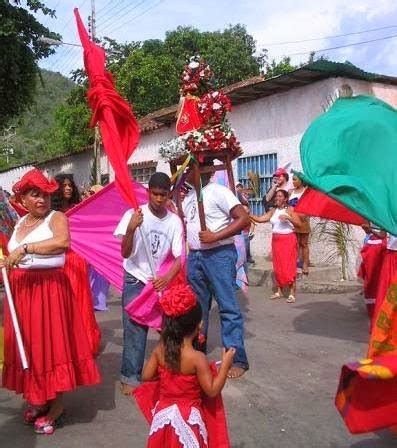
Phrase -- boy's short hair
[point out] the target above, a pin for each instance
(160, 180)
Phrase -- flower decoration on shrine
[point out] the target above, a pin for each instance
(202, 122)
(196, 76)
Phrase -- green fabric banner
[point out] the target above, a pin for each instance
(350, 153)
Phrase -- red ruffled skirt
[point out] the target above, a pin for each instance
(387, 272)
(56, 344)
(76, 269)
(285, 258)
(178, 414)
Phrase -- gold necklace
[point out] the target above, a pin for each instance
(31, 225)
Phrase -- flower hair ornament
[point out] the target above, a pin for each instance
(178, 300)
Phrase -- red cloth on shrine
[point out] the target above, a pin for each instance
(189, 117)
(285, 258)
(175, 395)
(56, 345)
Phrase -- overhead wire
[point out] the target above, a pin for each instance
(343, 46)
(139, 15)
(329, 37)
(98, 14)
(114, 19)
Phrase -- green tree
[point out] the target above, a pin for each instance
(71, 129)
(20, 51)
(274, 68)
(147, 74)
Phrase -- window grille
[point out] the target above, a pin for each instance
(263, 166)
(142, 171)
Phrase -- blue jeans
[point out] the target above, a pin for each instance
(134, 335)
(213, 272)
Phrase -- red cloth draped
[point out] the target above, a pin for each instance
(388, 271)
(285, 257)
(189, 117)
(119, 128)
(315, 203)
(367, 394)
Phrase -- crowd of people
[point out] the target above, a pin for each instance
(55, 305)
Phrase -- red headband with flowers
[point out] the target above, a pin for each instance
(178, 300)
(35, 179)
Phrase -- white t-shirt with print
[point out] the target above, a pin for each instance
(218, 201)
(163, 235)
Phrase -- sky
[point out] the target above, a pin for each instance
(271, 23)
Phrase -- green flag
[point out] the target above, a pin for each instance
(350, 154)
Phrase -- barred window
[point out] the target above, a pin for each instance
(255, 173)
(142, 171)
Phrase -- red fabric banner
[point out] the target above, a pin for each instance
(119, 128)
(315, 203)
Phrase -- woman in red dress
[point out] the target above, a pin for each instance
(76, 268)
(57, 348)
(284, 222)
(176, 396)
(372, 254)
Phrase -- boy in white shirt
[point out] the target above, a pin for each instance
(163, 231)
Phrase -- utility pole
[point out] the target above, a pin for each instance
(97, 137)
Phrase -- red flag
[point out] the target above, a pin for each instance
(315, 203)
(119, 128)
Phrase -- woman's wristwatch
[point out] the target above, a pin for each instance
(25, 248)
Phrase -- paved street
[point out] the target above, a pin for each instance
(284, 401)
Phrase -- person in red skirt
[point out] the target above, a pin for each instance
(387, 272)
(180, 395)
(76, 268)
(372, 254)
(284, 244)
(57, 348)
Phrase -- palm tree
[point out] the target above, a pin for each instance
(339, 239)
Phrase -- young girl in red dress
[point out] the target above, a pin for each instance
(180, 396)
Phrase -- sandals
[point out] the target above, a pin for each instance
(32, 413)
(291, 299)
(276, 295)
(46, 425)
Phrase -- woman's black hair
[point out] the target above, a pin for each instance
(57, 197)
(174, 330)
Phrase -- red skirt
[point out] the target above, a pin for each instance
(76, 270)
(387, 272)
(55, 341)
(285, 258)
(372, 256)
